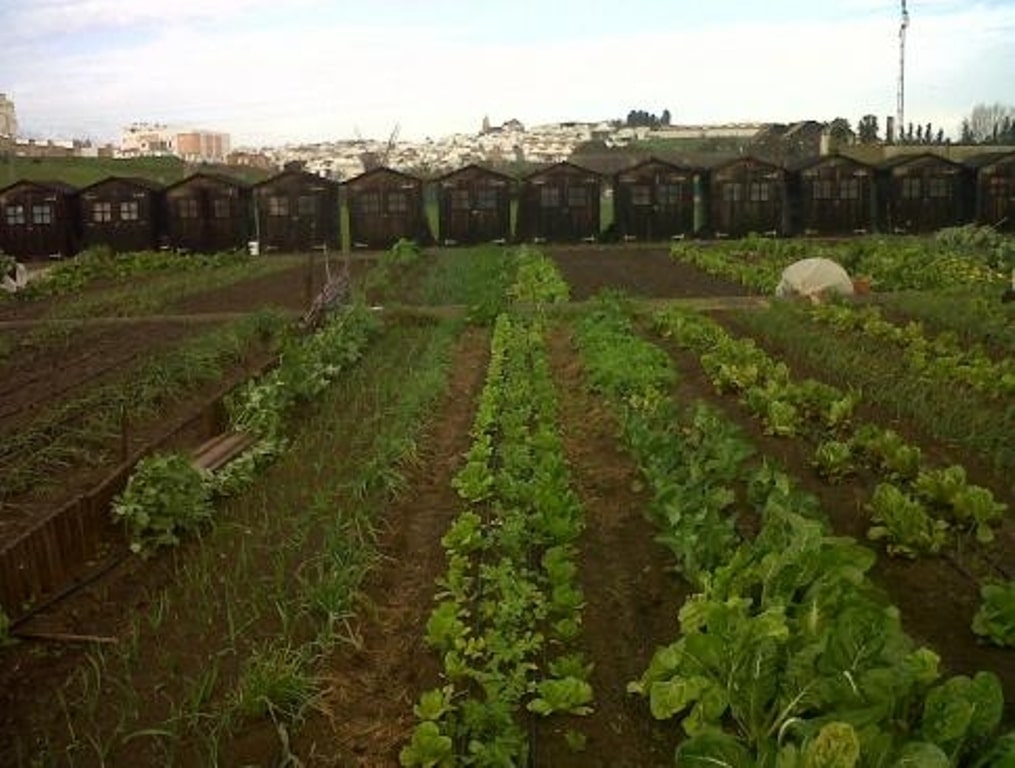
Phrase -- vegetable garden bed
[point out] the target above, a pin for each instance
(312, 624)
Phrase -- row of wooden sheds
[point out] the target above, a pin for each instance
(653, 200)
(205, 212)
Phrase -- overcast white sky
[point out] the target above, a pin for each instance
(271, 71)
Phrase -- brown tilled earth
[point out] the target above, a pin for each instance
(631, 596)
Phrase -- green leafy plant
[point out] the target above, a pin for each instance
(164, 498)
(833, 460)
(428, 748)
(975, 507)
(961, 714)
(903, 521)
(995, 619)
(568, 694)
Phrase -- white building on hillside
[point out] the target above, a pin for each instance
(156, 139)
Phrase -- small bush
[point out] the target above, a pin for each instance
(166, 496)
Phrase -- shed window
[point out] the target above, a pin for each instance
(397, 202)
(278, 206)
(669, 194)
(42, 214)
(732, 191)
(130, 210)
(15, 214)
(369, 202)
(460, 200)
(849, 189)
(939, 187)
(306, 205)
(186, 208)
(486, 199)
(549, 197)
(577, 197)
(911, 188)
(822, 189)
(759, 191)
(102, 212)
(641, 194)
(221, 208)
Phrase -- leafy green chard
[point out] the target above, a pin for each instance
(995, 619)
(961, 714)
(833, 460)
(904, 523)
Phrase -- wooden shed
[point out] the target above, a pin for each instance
(922, 193)
(474, 206)
(994, 189)
(654, 200)
(385, 206)
(747, 195)
(122, 213)
(560, 204)
(207, 212)
(297, 211)
(832, 195)
(39, 220)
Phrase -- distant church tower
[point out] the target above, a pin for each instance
(8, 118)
(486, 124)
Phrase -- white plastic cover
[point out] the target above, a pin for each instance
(15, 282)
(813, 278)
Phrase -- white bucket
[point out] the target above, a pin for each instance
(254, 246)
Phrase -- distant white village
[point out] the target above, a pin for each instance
(508, 142)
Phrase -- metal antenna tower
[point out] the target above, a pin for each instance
(901, 103)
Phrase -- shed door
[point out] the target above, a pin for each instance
(306, 222)
(640, 211)
(672, 206)
(457, 224)
(579, 215)
(43, 227)
(489, 218)
(999, 204)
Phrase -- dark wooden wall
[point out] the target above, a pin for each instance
(207, 214)
(995, 193)
(123, 214)
(474, 206)
(38, 221)
(297, 211)
(560, 205)
(834, 196)
(654, 201)
(923, 194)
(748, 195)
(384, 207)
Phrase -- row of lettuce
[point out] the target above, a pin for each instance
(787, 654)
(917, 509)
(960, 256)
(509, 608)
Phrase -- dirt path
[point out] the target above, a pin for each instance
(631, 600)
(639, 271)
(372, 688)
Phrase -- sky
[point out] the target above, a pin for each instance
(278, 71)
